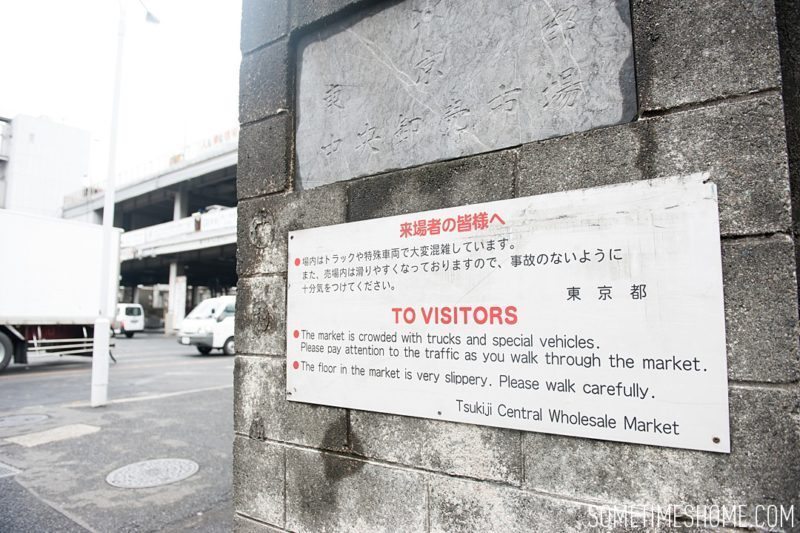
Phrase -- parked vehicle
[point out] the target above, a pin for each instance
(129, 319)
(210, 326)
(51, 286)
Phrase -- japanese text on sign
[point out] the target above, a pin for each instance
(594, 313)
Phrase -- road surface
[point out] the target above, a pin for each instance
(166, 401)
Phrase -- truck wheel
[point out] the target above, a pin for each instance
(6, 350)
(229, 348)
(205, 350)
(129, 334)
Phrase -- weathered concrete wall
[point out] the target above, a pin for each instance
(710, 98)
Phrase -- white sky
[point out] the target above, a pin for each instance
(180, 77)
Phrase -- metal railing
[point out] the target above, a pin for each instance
(80, 346)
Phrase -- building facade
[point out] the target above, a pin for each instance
(41, 162)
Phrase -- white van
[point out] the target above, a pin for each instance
(128, 320)
(210, 325)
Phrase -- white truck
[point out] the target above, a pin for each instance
(210, 326)
(50, 285)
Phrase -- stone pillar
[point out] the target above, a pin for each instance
(709, 97)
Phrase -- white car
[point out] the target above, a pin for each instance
(210, 326)
(129, 319)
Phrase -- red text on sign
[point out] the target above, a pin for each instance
(462, 314)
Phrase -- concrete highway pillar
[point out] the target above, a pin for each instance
(177, 298)
(180, 205)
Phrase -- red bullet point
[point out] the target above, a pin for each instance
(295, 365)
(296, 334)
(297, 262)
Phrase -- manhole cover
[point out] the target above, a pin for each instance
(20, 420)
(152, 473)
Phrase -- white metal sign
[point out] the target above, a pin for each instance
(596, 313)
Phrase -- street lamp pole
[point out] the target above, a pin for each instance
(108, 297)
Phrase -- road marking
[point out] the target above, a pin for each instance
(168, 394)
(70, 431)
(55, 507)
(7, 470)
(154, 396)
(86, 370)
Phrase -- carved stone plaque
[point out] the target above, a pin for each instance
(429, 80)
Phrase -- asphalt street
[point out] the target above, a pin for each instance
(166, 401)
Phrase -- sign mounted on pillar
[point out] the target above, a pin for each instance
(594, 313)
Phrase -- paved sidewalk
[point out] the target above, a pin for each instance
(167, 402)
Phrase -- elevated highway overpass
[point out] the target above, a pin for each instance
(180, 230)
